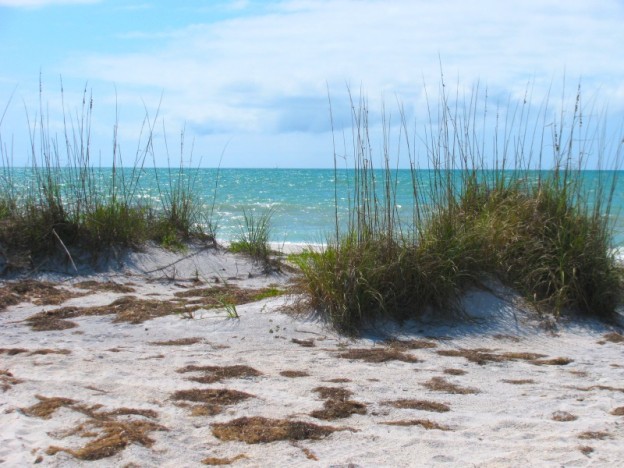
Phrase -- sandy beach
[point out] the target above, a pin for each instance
(146, 362)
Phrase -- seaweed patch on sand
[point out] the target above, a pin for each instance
(210, 400)
(257, 430)
(109, 435)
(377, 355)
(337, 404)
(212, 374)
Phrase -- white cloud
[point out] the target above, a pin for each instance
(384, 46)
(269, 72)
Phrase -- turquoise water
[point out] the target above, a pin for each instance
(302, 200)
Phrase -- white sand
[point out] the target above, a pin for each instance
(118, 365)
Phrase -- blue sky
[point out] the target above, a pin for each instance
(251, 78)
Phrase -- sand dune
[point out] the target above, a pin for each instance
(142, 362)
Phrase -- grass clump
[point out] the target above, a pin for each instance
(493, 204)
(253, 239)
(63, 204)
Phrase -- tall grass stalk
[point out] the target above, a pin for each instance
(502, 198)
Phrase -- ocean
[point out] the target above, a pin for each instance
(302, 201)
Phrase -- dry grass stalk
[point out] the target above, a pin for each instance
(256, 430)
(377, 355)
(424, 423)
(338, 380)
(423, 405)
(438, 384)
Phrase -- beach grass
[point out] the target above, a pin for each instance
(62, 203)
(254, 234)
(515, 210)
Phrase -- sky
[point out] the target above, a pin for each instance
(247, 83)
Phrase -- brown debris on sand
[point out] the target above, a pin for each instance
(563, 416)
(483, 356)
(619, 411)
(600, 435)
(586, 449)
(127, 309)
(614, 337)
(423, 405)
(7, 380)
(216, 461)
(256, 430)
(337, 404)
(100, 286)
(559, 361)
(438, 384)
(309, 343)
(110, 435)
(211, 400)
(178, 342)
(53, 319)
(293, 374)
(424, 423)
(37, 292)
(216, 296)
(48, 406)
(36, 352)
(518, 381)
(411, 344)
(377, 355)
(113, 437)
(214, 374)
